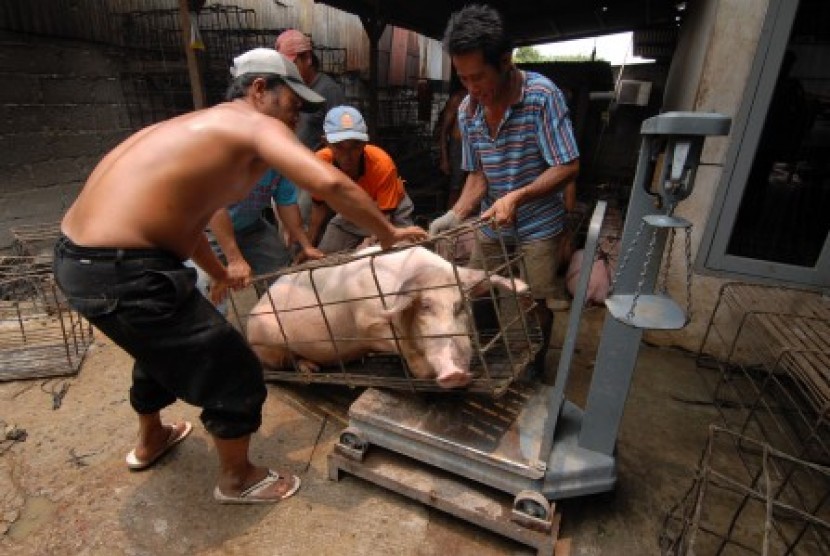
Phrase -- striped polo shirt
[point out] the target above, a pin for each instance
(536, 133)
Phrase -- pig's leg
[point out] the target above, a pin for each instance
(307, 367)
(280, 357)
(274, 357)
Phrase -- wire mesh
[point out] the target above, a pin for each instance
(501, 327)
(40, 336)
(35, 240)
(772, 504)
(766, 359)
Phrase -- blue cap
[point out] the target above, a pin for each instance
(345, 122)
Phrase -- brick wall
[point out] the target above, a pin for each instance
(61, 109)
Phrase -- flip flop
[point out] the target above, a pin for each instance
(251, 494)
(135, 464)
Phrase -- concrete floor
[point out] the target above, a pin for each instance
(65, 489)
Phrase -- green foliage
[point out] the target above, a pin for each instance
(528, 54)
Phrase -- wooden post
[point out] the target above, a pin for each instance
(196, 88)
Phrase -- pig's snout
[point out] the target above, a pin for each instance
(453, 378)
(451, 365)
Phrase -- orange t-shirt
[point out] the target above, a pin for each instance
(379, 178)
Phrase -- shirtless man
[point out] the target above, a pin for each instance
(143, 211)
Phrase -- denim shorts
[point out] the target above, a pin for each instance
(145, 300)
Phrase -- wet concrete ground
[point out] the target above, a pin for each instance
(66, 490)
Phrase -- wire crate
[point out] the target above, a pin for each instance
(35, 240)
(766, 359)
(772, 504)
(40, 336)
(501, 327)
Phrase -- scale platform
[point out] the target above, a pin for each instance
(458, 497)
(490, 447)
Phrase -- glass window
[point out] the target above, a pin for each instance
(775, 217)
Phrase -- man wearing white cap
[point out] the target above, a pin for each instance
(142, 212)
(249, 244)
(369, 166)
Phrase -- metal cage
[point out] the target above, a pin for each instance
(35, 240)
(772, 504)
(502, 326)
(766, 359)
(40, 336)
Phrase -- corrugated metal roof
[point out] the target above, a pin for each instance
(530, 22)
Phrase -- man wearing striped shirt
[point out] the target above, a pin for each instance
(519, 150)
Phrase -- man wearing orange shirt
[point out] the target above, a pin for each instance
(373, 170)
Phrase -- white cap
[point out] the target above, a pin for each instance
(269, 61)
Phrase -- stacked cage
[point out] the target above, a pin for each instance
(35, 240)
(40, 335)
(763, 483)
(766, 359)
(772, 504)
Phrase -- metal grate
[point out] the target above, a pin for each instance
(772, 504)
(501, 327)
(40, 336)
(35, 240)
(766, 359)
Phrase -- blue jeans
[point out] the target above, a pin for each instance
(262, 249)
(145, 300)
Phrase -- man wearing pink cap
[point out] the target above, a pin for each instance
(297, 47)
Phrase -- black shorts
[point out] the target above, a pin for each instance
(145, 300)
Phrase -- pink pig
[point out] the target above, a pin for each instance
(423, 304)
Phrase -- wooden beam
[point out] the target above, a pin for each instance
(196, 87)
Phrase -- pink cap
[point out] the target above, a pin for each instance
(290, 43)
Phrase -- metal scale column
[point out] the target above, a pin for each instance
(679, 136)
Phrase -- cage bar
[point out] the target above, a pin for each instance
(40, 335)
(501, 327)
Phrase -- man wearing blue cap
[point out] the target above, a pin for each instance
(368, 165)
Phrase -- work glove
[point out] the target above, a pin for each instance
(442, 223)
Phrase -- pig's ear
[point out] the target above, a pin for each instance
(404, 299)
(477, 280)
(400, 303)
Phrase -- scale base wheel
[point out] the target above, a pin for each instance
(352, 444)
(532, 510)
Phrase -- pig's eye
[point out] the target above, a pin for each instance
(427, 305)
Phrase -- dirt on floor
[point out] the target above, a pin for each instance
(65, 489)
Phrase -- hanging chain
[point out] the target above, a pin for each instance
(688, 275)
(627, 256)
(663, 284)
(642, 281)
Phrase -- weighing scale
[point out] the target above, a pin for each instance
(499, 462)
